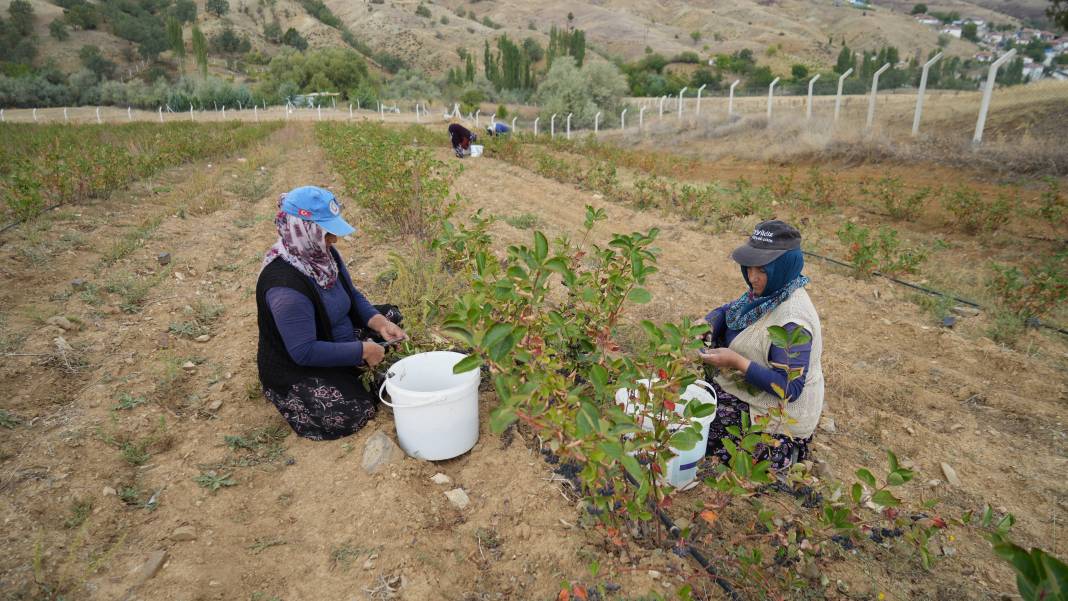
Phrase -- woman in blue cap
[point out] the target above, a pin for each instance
(316, 328)
(753, 371)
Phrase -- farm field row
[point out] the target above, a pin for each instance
(140, 409)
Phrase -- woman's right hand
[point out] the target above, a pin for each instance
(373, 353)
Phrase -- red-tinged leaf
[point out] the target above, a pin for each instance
(709, 516)
(669, 405)
(890, 513)
(666, 502)
(564, 595)
(662, 374)
(580, 592)
(938, 522)
(656, 468)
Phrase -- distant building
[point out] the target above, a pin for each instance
(1033, 72)
(928, 20)
(953, 31)
(984, 57)
(1061, 75)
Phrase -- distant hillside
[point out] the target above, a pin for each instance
(426, 35)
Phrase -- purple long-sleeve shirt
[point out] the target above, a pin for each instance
(758, 375)
(294, 314)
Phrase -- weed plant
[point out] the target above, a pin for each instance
(973, 213)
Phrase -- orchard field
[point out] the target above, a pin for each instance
(139, 459)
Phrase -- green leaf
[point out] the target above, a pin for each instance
(856, 492)
(587, 419)
(779, 336)
(612, 449)
(633, 467)
(557, 265)
(495, 334)
(685, 439)
(866, 477)
(467, 364)
(598, 377)
(639, 296)
(884, 498)
(541, 246)
(799, 336)
(501, 418)
(895, 479)
(892, 458)
(459, 333)
(699, 410)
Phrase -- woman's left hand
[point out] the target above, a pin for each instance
(386, 328)
(724, 357)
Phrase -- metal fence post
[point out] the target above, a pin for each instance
(699, 90)
(838, 97)
(919, 94)
(681, 92)
(874, 92)
(771, 95)
(988, 91)
(730, 101)
(811, 83)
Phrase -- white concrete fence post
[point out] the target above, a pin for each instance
(381, 112)
(35, 115)
(730, 99)
(681, 92)
(98, 115)
(536, 119)
(623, 119)
(771, 95)
(513, 123)
(161, 114)
(350, 111)
(838, 97)
(697, 111)
(811, 83)
(641, 118)
(67, 119)
(319, 112)
(874, 94)
(988, 91)
(192, 119)
(569, 125)
(662, 99)
(920, 93)
(597, 122)
(129, 114)
(476, 116)
(552, 126)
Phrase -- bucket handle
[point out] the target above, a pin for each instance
(709, 388)
(432, 401)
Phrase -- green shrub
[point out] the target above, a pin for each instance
(1054, 205)
(890, 192)
(973, 213)
(1033, 291)
(881, 252)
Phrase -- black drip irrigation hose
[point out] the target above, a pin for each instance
(676, 533)
(1033, 322)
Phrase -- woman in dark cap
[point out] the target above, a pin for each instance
(316, 328)
(752, 370)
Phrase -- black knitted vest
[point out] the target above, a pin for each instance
(277, 369)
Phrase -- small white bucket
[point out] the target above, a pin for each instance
(682, 468)
(476, 150)
(435, 410)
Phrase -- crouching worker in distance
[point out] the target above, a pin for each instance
(461, 139)
(752, 367)
(316, 328)
(498, 129)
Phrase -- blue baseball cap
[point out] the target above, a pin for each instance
(318, 205)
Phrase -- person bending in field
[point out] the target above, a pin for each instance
(498, 129)
(461, 139)
(739, 344)
(316, 328)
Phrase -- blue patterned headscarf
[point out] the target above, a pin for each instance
(784, 276)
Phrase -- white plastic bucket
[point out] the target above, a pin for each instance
(682, 468)
(476, 150)
(435, 410)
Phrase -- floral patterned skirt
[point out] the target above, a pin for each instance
(320, 408)
(783, 453)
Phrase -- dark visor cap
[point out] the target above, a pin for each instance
(769, 241)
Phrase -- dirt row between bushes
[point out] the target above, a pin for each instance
(100, 502)
(993, 414)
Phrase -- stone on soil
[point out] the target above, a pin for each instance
(965, 311)
(189, 366)
(458, 497)
(151, 566)
(202, 338)
(827, 425)
(950, 474)
(77, 284)
(215, 405)
(380, 451)
(60, 321)
(163, 258)
(440, 478)
(184, 533)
